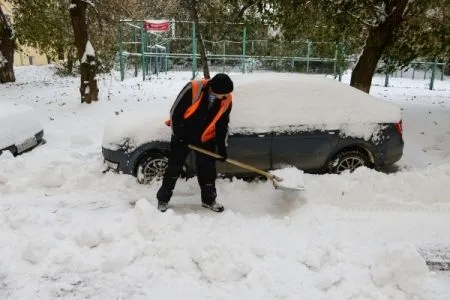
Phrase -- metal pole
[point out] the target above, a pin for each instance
(433, 74)
(386, 78)
(167, 57)
(143, 50)
(135, 51)
(157, 60)
(341, 60)
(224, 52)
(165, 61)
(194, 52)
(122, 71)
(335, 60)
(244, 48)
(146, 54)
(307, 56)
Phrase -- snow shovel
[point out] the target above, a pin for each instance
(277, 181)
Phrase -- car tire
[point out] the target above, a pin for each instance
(348, 160)
(151, 167)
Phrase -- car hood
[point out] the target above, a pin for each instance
(18, 122)
(131, 129)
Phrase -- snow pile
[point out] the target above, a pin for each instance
(291, 178)
(402, 267)
(226, 256)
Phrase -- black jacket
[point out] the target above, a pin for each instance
(191, 129)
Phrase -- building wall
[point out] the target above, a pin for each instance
(23, 56)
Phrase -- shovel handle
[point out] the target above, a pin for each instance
(236, 163)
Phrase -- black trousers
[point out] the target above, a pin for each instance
(206, 171)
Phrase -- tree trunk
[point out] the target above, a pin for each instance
(377, 41)
(203, 57)
(88, 85)
(70, 61)
(7, 43)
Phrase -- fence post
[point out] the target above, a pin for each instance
(165, 61)
(335, 60)
(342, 60)
(307, 56)
(135, 47)
(433, 74)
(122, 71)
(224, 59)
(143, 50)
(386, 78)
(244, 38)
(194, 52)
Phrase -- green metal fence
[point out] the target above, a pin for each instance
(236, 48)
(245, 51)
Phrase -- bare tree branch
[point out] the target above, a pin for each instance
(360, 20)
(238, 16)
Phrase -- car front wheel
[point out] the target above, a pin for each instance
(348, 160)
(152, 168)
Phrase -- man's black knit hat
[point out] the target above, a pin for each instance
(221, 84)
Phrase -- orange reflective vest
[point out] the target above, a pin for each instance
(197, 94)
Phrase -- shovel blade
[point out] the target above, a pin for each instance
(288, 179)
(280, 186)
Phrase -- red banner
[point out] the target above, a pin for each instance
(157, 25)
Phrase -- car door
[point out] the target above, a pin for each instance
(247, 147)
(303, 148)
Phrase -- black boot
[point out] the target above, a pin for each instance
(164, 194)
(209, 198)
(214, 206)
(163, 206)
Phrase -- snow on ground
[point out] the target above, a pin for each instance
(68, 231)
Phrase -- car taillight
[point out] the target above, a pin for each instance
(399, 127)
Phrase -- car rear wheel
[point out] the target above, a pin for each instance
(348, 160)
(152, 167)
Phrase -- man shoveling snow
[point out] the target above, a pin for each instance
(199, 116)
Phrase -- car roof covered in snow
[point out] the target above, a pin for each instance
(265, 101)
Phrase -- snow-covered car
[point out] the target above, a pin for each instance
(20, 130)
(311, 122)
